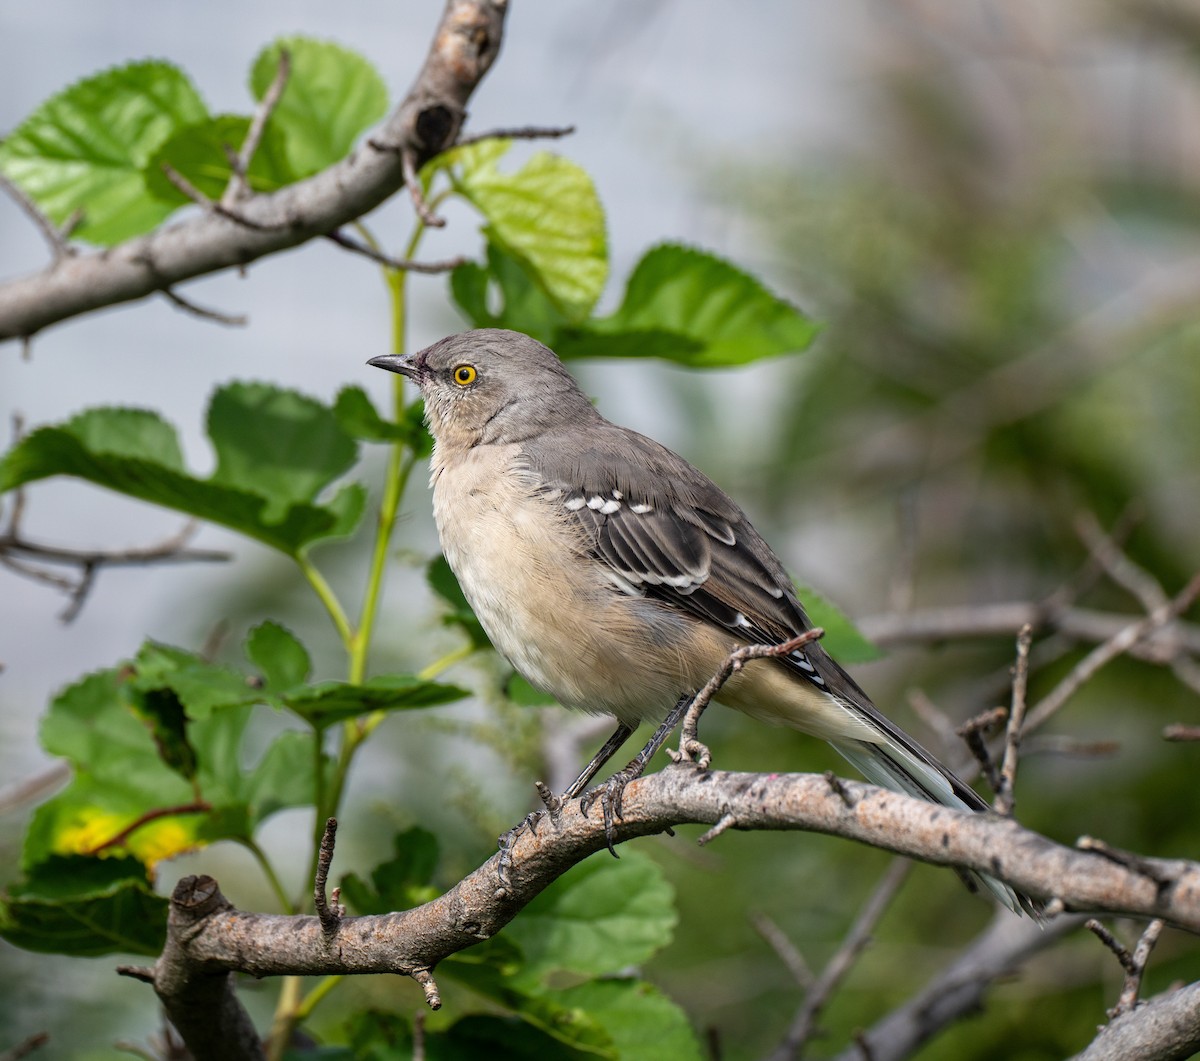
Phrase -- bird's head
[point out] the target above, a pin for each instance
(490, 386)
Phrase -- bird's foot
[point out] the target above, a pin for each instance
(610, 794)
(508, 840)
(691, 750)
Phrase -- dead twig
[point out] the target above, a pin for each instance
(521, 132)
(1005, 795)
(238, 186)
(1133, 963)
(974, 732)
(56, 237)
(233, 320)
(404, 264)
(804, 1024)
(330, 914)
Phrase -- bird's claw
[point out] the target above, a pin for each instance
(610, 794)
(691, 751)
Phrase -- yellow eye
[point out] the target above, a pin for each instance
(464, 375)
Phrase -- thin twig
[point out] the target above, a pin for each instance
(785, 949)
(1110, 650)
(231, 319)
(522, 132)
(408, 167)
(1181, 732)
(199, 807)
(804, 1024)
(240, 163)
(25, 1047)
(1117, 565)
(329, 915)
(1005, 794)
(200, 199)
(407, 264)
(1141, 958)
(418, 1044)
(973, 732)
(32, 788)
(59, 248)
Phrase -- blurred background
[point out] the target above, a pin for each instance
(992, 208)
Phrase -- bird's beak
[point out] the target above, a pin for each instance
(405, 364)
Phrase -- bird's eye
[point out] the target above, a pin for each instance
(464, 375)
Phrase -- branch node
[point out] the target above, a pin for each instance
(838, 787)
(408, 165)
(145, 973)
(424, 977)
(727, 820)
(974, 732)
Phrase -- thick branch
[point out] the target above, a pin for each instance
(1166, 1028)
(427, 122)
(414, 941)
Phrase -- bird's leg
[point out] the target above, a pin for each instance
(610, 748)
(613, 789)
(554, 803)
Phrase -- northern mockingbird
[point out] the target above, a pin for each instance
(617, 578)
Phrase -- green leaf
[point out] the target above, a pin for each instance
(643, 1023)
(359, 418)
(284, 777)
(842, 638)
(85, 907)
(323, 704)
(201, 687)
(704, 299)
(442, 581)
(198, 153)
(278, 443)
(569, 1025)
(522, 305)
(278, 654)
(276, 451)
(400, 883)
(547, 215)
(485, 1035)
(602, 916)
(331, 97)
(86, 148)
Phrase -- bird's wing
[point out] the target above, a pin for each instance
(664, 530)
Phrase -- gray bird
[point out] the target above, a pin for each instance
(618, 578)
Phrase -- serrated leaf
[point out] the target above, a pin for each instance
(202, 687)
(443, 582)
(85, 907)
(276, 450)
(547, 215)
(323, 704)
(401, 882)
(86, 147)
(198, 152)
(332, 96)
(703, 298)
(643, 1023)
(282, 778)
(600, 917)
(278, 654)
(842, 638)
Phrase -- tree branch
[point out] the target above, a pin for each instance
(426, 122)
(1166, 1028)
(208, 938)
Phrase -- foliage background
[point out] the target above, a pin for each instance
(953, 189)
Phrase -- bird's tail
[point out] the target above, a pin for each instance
(902, 765)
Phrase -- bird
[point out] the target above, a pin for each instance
(616, 577)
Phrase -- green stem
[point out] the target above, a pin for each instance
(269, 872)
(332, 605)
(316, 996)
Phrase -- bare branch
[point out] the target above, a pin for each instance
(54, 236)
(1165, 1028)
(1133, 963)
(1007, 943)
(15, 550)
(804, 1024)
(26, 1047)
(1115, 646)
(786, 949)
(1180, 732)
(351, 244)
(328, 915)
(240, 163)
(408, 164)
(1005, 795)
(973, 731)
(466, 43)
(1118, 566)
(233, 320)
(211, 206)
(522, 132)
